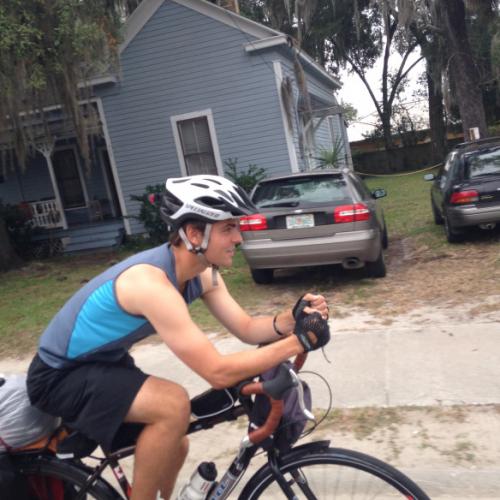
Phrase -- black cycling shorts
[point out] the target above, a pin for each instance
(93, 398)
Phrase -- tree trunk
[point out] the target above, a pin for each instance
(462, 68)
(436, 118)
(8, 258)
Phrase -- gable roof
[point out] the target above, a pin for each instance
(266, 37)
(147, 9)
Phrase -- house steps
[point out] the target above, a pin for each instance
(97, 236)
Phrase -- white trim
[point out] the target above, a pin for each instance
(48, 159)
(66, 147)
(98, 80)
(207, 113)
(266, 43)
(141, 15)
(292, 154)
(147, 8)
(316, 67)
(103, 149)
(112, 162)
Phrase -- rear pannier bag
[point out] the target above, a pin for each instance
(20, 423)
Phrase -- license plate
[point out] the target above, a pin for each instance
(299, 221)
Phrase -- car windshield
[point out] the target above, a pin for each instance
(480, 163)
(303, 191)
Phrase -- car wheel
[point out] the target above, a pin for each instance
(262, 276)
(376, 269)
(452, 235)
(438, 218)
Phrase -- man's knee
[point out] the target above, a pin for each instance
(180, 405)
(161, 401)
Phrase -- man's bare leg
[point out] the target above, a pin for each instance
(161, 448)
(180, 456)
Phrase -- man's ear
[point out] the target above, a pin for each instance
(194, 235)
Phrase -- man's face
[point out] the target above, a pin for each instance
(224, 238)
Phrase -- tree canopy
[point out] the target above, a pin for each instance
(49, 52)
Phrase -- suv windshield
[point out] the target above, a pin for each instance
(303, 191)
(484, 162)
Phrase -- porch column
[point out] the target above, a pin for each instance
(46, 150)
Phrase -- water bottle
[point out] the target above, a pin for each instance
(200, 483)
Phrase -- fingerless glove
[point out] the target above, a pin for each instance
(312, 331)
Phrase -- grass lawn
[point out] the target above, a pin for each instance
(407, 208)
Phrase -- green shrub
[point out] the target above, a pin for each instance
(245, 178)
(149, 215)
(17, 221)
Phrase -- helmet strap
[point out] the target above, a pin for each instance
(200, 250)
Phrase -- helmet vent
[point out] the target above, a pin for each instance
(197, 184)
(214, 181)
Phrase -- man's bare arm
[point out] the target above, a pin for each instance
(146, 291)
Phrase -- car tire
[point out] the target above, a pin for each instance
(452, 235)
(262, 276)
(438, 218)
(377, 268)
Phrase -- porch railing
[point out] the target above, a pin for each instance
(46, 214)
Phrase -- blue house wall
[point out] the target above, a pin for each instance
(181, 62)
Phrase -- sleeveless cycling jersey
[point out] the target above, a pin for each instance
(92, 326)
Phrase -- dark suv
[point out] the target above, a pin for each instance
(314, 218)
(466, 191)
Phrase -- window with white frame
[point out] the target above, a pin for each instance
(197, 145)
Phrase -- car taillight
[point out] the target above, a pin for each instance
(255, 222)
(462, 197)
(351, 213)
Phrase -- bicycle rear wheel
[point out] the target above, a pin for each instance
(49, 477)
(333, 473)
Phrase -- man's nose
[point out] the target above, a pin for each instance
(237, 238)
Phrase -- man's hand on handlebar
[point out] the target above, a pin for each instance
(312, 331)
(310, 303)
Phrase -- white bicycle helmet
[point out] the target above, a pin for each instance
(208, 198)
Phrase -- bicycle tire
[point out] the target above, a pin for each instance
(333, 473)
(73, 476)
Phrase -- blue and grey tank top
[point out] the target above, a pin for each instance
(92, 326)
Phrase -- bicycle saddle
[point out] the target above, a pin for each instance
(75, 445)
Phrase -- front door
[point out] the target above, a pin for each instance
(68, 178)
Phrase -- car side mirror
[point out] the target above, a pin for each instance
(379, 193)
(429, 177)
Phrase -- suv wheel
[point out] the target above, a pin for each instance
(262, 276)
(376, 269)
(438, 218)
(452, 235)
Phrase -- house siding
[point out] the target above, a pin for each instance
(183, 62)
(30, 185)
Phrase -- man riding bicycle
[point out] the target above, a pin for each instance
(83, 371)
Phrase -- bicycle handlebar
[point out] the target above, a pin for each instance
(274, 389)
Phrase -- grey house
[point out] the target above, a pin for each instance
(198, 85)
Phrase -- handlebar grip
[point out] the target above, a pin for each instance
(274, 389)
(271, 423)
(299, 361)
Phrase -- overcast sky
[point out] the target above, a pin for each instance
(354, 92)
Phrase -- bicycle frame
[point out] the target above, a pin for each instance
(228, 481)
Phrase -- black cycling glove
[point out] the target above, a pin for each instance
(312, 331)
(298, 308)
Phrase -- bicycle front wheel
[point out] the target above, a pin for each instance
(47, 477)
(333, 473)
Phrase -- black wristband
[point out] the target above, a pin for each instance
(276, 328)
